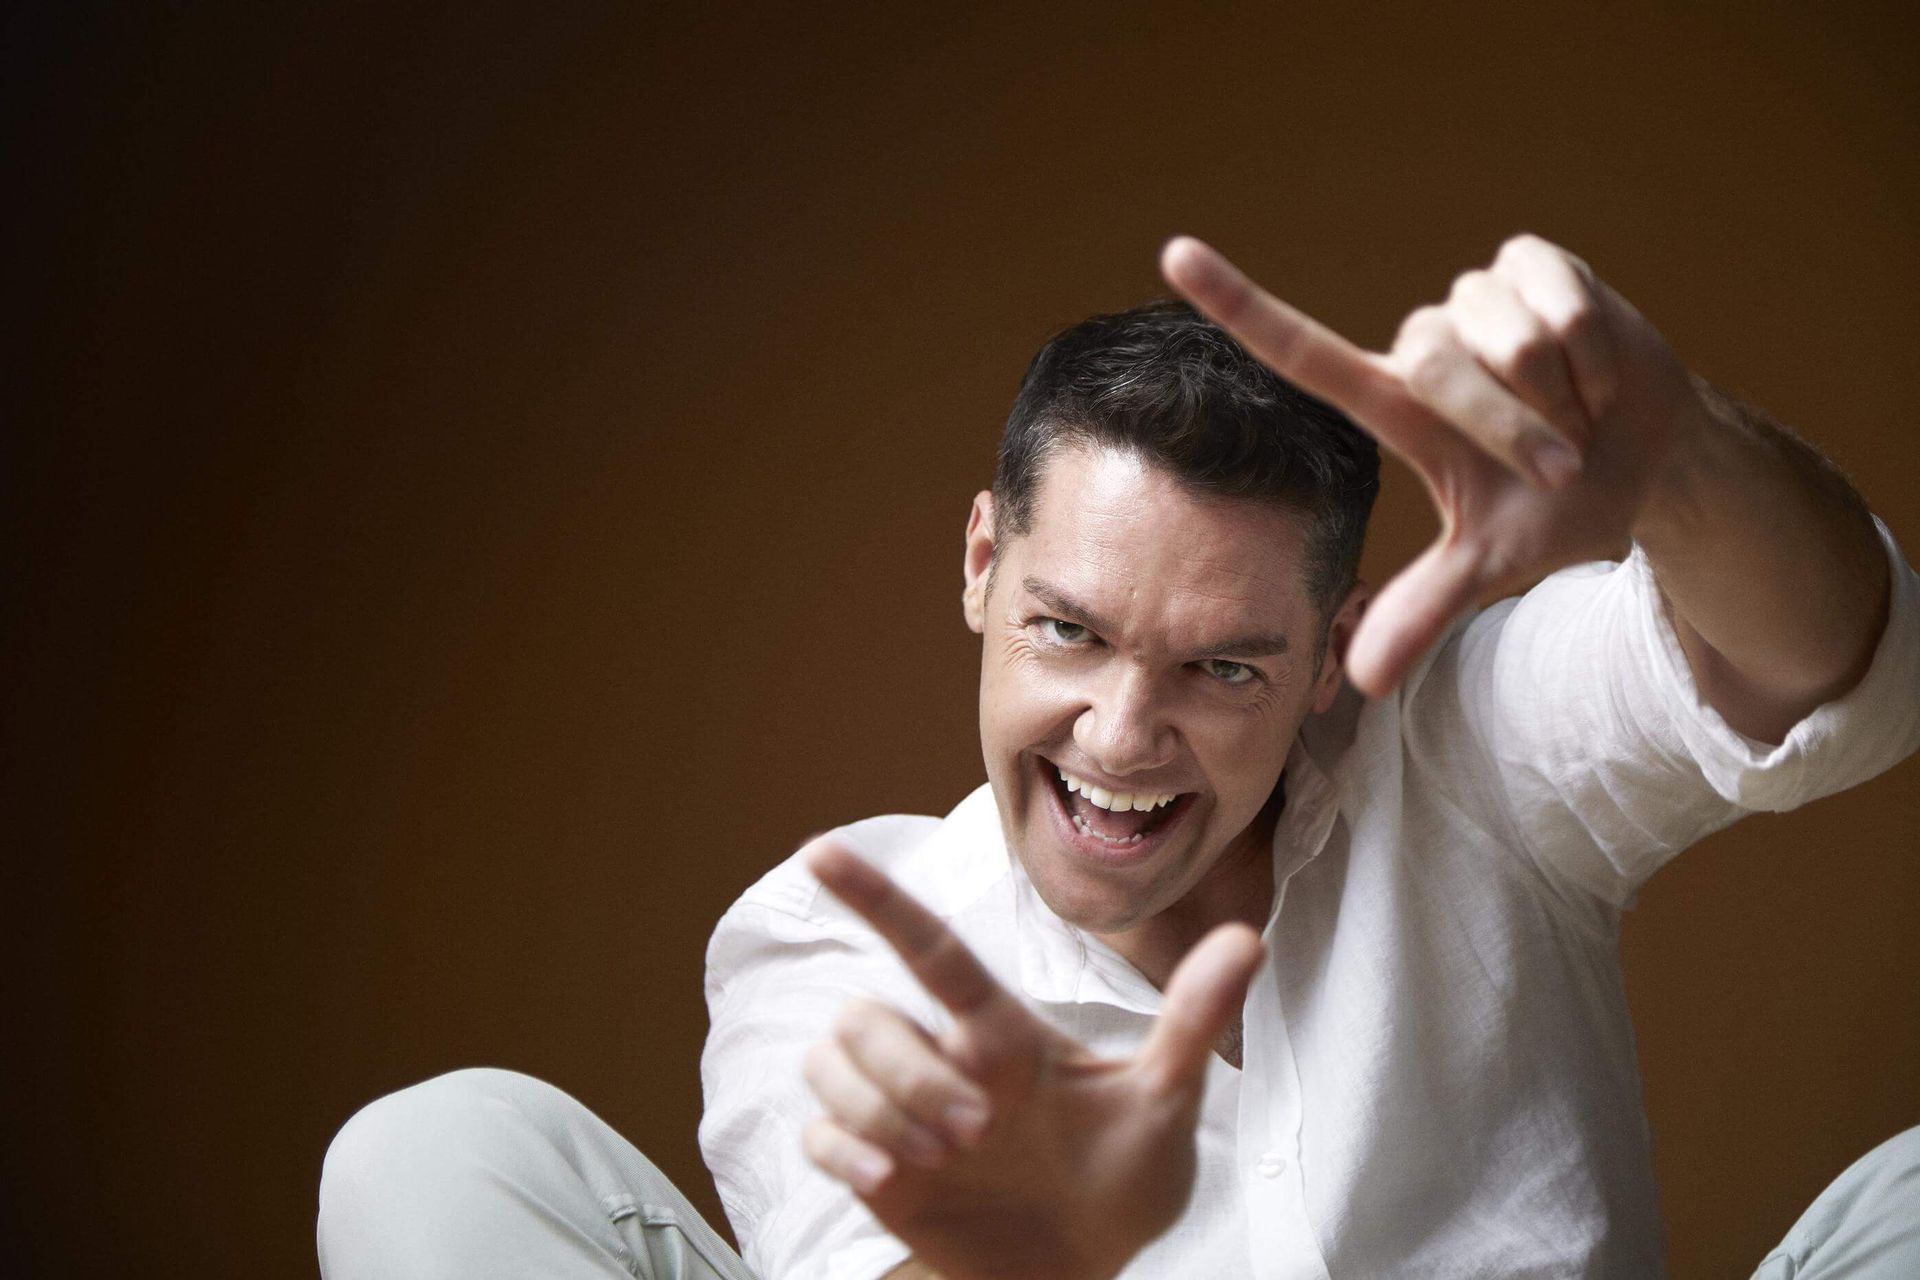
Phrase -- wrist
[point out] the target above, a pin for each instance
(1701, 453)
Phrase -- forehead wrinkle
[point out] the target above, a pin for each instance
(1252, 631)
(1175, 546)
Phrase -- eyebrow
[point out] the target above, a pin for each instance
(1262, 645)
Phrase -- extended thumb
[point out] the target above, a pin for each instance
(1408, 616)
(1203, 998)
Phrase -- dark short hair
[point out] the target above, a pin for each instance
(1166, 383)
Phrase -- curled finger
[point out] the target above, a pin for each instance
(1559, 288)
(911, 1071)
(1443, 374)
(859, 1105)
(1517, 347)
(846, 1156)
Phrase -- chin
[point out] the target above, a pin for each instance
(1091, 908)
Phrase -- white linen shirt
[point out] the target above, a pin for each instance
(1438, 1074)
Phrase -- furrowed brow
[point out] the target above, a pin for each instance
(1260, 645)
(1060, 602)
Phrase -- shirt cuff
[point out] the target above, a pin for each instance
(1839, 744)
(867, 1259)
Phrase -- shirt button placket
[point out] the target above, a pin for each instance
(1283, 1238)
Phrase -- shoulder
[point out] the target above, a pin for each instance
(1443, 698)
(1572, 623)
(790, 889)
(947, 863)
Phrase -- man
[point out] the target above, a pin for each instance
(1067, 1057)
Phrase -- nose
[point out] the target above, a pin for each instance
(1122, 729)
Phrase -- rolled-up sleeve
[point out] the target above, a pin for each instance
(1608, 759)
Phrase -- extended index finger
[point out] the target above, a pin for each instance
(941, 962)
(1298, 347)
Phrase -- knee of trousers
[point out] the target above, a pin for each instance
(1890, 1174)
(435, 1142)
(1865, 1224)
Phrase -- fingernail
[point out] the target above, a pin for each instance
(1555, 461)
(867, 1170)
(968, 1120)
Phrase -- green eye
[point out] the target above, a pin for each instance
(1062, 633)
(1228, 672)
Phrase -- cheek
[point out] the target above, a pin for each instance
(1243, 753)
(1025, 702)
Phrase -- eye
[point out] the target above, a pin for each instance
(1230, 672)
(1060, 633)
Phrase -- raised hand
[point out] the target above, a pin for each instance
(1537, 406)
(1000, 1147)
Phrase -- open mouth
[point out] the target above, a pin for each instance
(1111, 825)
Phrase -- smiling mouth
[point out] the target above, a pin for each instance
(1119, 822)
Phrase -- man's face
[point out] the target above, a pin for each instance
(1151, 642)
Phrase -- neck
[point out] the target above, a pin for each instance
(1239, 886)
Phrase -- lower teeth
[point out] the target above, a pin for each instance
(1081, 823)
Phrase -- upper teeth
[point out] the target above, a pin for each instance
(1118, 801)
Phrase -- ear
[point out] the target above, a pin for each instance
(979, 554)
(1333, 663)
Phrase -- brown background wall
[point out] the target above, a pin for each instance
(484, 484)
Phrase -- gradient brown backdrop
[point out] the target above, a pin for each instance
(484, 484)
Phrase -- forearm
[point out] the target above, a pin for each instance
(1768, 559)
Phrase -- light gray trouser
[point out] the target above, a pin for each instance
(1864, 1226)
(484, 1173)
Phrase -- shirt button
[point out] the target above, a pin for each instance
(1271, 1165)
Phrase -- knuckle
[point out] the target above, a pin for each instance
(1527, 357)
(1494, 561)
(1424, 352)
(856, 1019)
(923, 1088)
(1418, 326)
(817, 1140)
(1512, 428)
(1522, 245)
(1578, 321)
(813, 1063)
(871, 1118)
(1428, 369)
(1468, 284)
